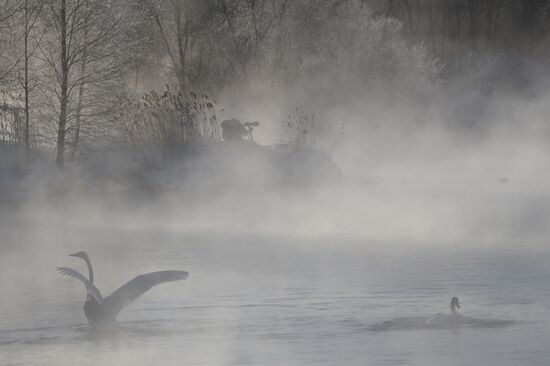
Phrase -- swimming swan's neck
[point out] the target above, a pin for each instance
(454, 304)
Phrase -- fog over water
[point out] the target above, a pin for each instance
(345, 272)
(400, 160)
(290, 277)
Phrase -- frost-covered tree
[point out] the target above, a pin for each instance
(84, 52)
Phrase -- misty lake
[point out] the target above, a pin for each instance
(271, 297)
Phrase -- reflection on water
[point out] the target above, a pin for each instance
(272, 300)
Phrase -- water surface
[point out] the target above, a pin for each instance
(268, 298)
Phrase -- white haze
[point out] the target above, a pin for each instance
(442, 195)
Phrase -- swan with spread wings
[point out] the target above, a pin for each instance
(102, 311)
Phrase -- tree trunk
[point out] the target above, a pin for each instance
(473, 7)
(489, 22)
(26, 86)
(182, 45)
(458, 21)
(78, 117)
(81, 86)
(431, 29)
(63, 96)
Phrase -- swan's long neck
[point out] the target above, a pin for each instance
(90, 270)
(453, 307)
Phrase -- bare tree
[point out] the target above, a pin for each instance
(177, 22)
(86, 50)
(532, 11)
(31, 13)
(250, 23)
(8, 64)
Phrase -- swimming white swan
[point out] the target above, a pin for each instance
(452, 319)
(440, 321)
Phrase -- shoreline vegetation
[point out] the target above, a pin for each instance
(201, 165)
(170, 141)
(132, 94)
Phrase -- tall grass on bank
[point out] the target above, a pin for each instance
(161, 126)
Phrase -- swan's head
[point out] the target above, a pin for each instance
(454, 304)
(82, 254)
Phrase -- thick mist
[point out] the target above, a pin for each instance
(401, 159)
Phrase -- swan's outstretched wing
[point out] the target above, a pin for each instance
(90, 288)
(137, 287)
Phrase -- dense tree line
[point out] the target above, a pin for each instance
(77, 66)
(472, 24)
